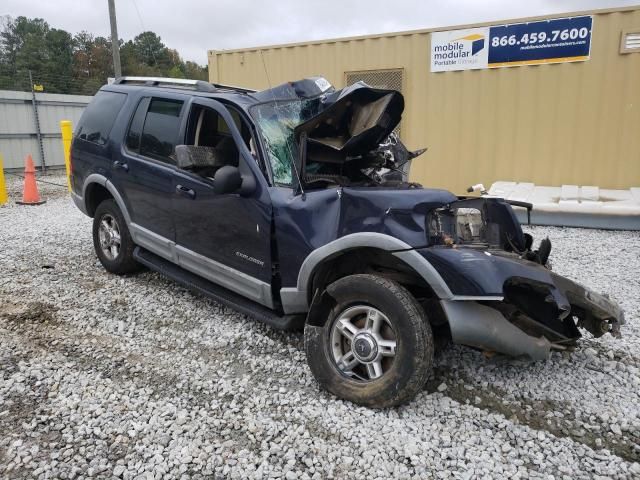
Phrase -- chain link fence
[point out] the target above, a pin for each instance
(48, 82)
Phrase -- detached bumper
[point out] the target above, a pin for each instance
(483, 327)
(533, 319)
(596, 312)
(500, 302)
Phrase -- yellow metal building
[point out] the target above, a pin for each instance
(551, 124)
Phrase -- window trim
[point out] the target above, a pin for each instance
(149, 97)
(180, 118)
(263, 165)
(137, 154)
(143, 98)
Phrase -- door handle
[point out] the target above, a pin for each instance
(121, 165)
(185, 191)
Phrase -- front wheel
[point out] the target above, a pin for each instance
(376, 347)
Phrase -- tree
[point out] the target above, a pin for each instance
(58, 73)
(80, 63)
(92, 62)
(9, 44)
(176, 72)
(195, 71)
(23, 48)
(128, 59)
(83, 44)
(149, 49)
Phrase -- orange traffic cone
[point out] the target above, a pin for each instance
(30, 195)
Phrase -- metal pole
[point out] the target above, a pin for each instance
(115, 45)
(36, 119)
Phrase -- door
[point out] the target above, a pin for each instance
(143, 172)
(223, 237)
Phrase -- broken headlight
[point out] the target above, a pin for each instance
(461, 226)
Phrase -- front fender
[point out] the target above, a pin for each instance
(296, 299)
(473, 272)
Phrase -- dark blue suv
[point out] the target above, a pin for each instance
(292, 205)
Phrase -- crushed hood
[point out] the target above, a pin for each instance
(354, 121)
(335, 137)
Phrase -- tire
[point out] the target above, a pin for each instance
(121, 261)
(399, 379)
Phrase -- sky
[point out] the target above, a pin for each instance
(194, 26)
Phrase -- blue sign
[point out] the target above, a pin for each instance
(547, 41)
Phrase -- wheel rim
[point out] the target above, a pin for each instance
(109, 236)
(363, 343)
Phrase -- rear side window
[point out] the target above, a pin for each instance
(135, 128)
(160, 130)
(97, 119)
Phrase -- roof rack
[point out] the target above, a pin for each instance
(233, 88)
(184, 83)
(166, 82)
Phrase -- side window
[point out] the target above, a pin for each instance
(160, 130)
(224, 128)
(209, 143)
(97, 119)
(135, 128)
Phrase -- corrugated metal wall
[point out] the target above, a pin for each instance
(570, 123)
(18, 131)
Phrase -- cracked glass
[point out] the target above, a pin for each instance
(276, 122)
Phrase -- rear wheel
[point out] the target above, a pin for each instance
(376, 347)
(111, 239)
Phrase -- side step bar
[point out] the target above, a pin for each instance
(216, 292)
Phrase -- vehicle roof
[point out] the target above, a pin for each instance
(305, 88)
(242, 99)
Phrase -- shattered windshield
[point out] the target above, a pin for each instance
(276, 121)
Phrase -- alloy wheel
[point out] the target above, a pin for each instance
(363, 343)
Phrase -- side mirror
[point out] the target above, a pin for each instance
(227, 180)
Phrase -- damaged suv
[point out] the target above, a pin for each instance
(291, 205)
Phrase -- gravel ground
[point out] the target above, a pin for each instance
(103, 376)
